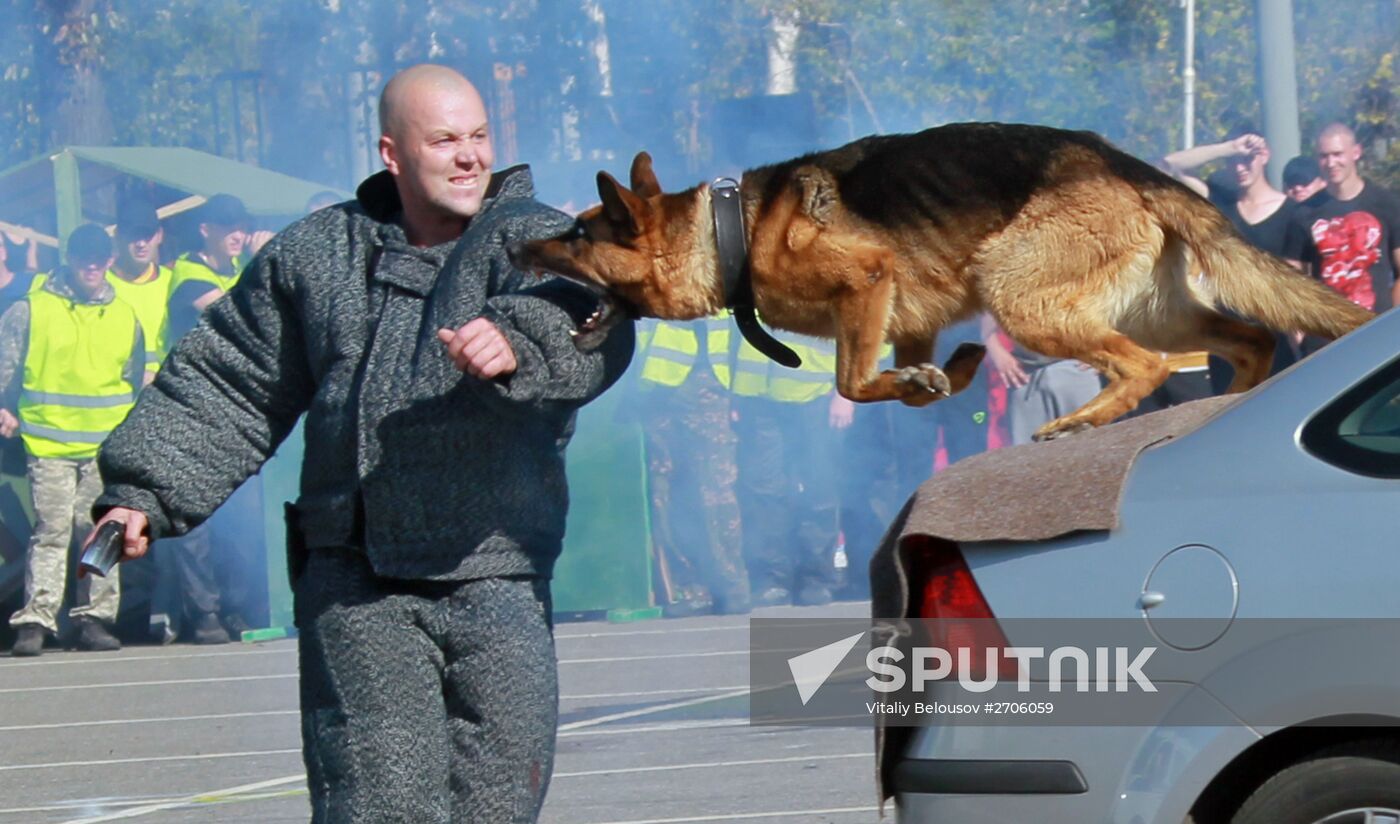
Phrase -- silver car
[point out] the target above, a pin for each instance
(1282, 507)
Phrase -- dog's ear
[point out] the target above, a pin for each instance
(621, 207)
(818, 193)
(644, 181)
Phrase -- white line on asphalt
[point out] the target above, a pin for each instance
(621, 658)
(639, 694)
(642, 729)
(242, 793)
(148, 759)
(171, 682)
(170, 719)
(79, 806)
(89, 658)
(189, 799)
(711, 765)
(674, 705)
(747, 816)
(563, 729)
(631, 632)
(178, 681)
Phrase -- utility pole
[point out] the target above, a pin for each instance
(1278, 82)
(1188, 75)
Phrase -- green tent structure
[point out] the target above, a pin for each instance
(51, 195)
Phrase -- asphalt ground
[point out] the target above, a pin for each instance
(653, 728)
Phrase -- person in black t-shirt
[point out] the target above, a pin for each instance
(1261, 213)
(1351, 241)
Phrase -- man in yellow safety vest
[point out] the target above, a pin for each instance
(82, 355)
(695, 526)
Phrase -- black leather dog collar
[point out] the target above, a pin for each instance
(732, 243)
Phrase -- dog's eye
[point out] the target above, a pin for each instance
(579, 232)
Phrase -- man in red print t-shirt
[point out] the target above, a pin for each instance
(1349, 246)
(1351, 240)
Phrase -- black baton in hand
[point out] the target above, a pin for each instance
(105, 550)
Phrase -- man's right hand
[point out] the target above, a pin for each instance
(9, 424)
(137, 539)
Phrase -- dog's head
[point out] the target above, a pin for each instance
(640, 245)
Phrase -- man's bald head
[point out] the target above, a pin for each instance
(1337, 130)
(1337, 156)
(408, 86)
(436, 144)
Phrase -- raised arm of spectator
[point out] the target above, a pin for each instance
(1180, 164)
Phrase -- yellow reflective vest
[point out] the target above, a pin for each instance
(151, 300)
(756, 376)
(669, 349)
(189, 267)
(75, 388)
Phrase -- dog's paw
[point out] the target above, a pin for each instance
(924, 378)
(1057, 429)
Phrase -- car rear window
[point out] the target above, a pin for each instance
(1360, 431)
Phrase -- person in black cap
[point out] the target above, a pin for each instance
(212, 559)
(1302, 183)
(205, 275)
(80, 355)
(138, 277)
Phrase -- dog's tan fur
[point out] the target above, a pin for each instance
(1077, 249)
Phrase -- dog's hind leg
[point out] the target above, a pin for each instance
(1248, 348)
(1133, 372)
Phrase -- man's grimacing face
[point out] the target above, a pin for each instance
(440, 149)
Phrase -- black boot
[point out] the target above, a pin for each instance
(812, 594)
(93, 636)
(29, 641)
(208, 630)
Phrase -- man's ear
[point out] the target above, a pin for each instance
(621, 207)
(644, 181)
(388, 155)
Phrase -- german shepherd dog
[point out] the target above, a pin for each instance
(1077, 249)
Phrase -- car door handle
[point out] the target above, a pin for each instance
(1151, 599)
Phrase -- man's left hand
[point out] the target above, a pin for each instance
(479, 349)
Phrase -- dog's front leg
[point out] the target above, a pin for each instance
(861, 320)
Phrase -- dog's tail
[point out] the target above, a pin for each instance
(1247, 280)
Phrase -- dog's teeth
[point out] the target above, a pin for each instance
(573, 333)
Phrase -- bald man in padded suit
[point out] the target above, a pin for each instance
(440, 386)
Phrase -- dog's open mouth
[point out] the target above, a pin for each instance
(594, 330)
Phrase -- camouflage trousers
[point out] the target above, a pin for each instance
(63, 492)
(691, 472)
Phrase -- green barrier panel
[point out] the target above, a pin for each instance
(281, 478)
(606, 563)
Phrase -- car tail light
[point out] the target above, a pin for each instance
(953, 608)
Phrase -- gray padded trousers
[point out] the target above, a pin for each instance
(424, 701)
